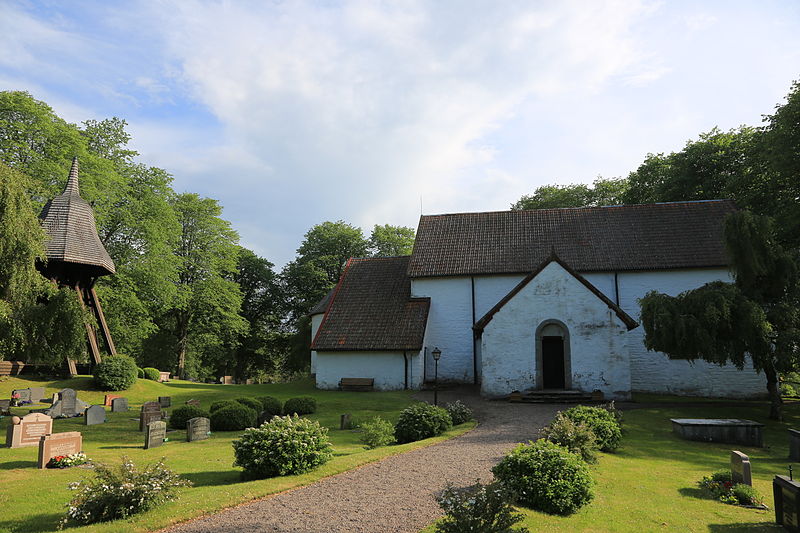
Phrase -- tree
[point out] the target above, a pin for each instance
(602, 192)
(390, 241)
(758, 316)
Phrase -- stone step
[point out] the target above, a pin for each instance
(546, 396)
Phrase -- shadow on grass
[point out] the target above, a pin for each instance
(18, 464)
(211, 479)
(32, 524)
(694, 492)
(126, 447)
(743, 527)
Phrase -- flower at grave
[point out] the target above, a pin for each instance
(66, 461)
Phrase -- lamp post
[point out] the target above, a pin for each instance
(437, 353)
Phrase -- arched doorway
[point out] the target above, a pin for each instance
(553, 368)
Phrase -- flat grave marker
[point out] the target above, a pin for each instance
(119, 405)
(730, 430)
(94, 414)
(740, 468)
(198, 428)
(27, 431)
(59, 444)
(155, 434)
(165, 401)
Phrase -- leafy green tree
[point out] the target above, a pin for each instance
(758, 316)
(390, 241)
(602, 192)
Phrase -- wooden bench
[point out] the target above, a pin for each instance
(11, 368)
(357, 384)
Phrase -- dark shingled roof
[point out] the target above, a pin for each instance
(629, 237)
(322, 305)
(69, 222)
(372, 309)
(626, 319)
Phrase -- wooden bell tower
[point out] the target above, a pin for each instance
(76, 257)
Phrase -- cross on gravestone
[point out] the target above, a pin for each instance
(193, 403)
(155, 434)
(740, 468)
(198, 429)
(59, 444)
(119, 405)
(27, 431)
(165, 401)
(94, 414)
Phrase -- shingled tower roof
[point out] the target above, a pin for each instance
(69, 222)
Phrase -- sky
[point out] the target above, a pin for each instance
(291, 113)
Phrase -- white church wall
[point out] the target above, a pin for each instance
(316, 320)
(598, 355)
(654, 371)
(386, 368)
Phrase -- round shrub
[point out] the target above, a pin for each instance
(152, 373)
(139, 373)
(602, 423)
(546, 477)
(181, 415)
(459, 413)
(283, 446)
(421, 421)
(116, 372)
(577, 438)
(377, 432)
(233, 417)
(304, 405)
(271, 405)
(252, 403)
(219, 404)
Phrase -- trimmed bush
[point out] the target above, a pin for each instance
(139, 373)
(602, 422)
(546, 477)
(116, 372)
(421, 421)
(283, 446)
(459, 413)
(219, 404)
(481, 508)
(304, 405)
(121, 491)
(181, 415)
(377, 432)
(233, 417)
(577, 438)
(271, 405)
(746, 495)
(252, 403)
(151, 373)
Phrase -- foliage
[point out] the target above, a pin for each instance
(601, 422)
(459, 412)
(121, 491)
(618, 416)
(303, 405)
(283, 446)
(115, 372)
(271, 405)
(721, 487)
(151, 373)
(479, 508)
(390, 241)
(140, 373)
(421, 421)
(603, 192)
(56, 327)
(747, 495)
(376, 432)
(233, 417)
(67, 461)
(546, 477)
(219, 404)
(252, 403)
(181, 415)
(576, 437)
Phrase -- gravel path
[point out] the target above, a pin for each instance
(396, 494)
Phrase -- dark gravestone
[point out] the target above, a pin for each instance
(155, 434)
(197, 429)
(345, 422)
(730, 430)
(5, 406)
(37, 393)
(110, 398)
(165, 401)
(119, 405)
(740, 468)
(21, 396)
(794, 445)
(151, 411)
(193, 403)
(94, 414)
(786, 494)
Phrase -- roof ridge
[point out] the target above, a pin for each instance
(72, 187)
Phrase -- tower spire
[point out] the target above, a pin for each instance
(72, 181)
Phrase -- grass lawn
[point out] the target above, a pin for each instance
(650, 484)
(34, 500)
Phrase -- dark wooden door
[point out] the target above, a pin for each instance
(552, 362)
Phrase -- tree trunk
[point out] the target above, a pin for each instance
(183, 341)
(775, 411)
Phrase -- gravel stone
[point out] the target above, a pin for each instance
(396, 494)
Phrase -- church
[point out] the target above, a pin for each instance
(529, 300)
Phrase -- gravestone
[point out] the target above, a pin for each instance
(21, 396)
(59, 444)
(165, 401)
(107, 401)
(197, 429)
(163, 377)
(37, 394)
(5, 407)
(67, 405)
(794, 445)
(227, 380)
(94, 414)
(151, 411)
(740, 468)
(786, 494)
(345, 422)
(155, 434)
(27, 431)
(730, 430)
(193, 403)
(54, 399)
(119, 405)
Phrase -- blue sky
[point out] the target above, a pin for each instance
(293, 113)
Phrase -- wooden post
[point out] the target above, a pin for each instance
(101, 319)
(90, 333)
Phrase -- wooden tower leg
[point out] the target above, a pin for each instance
(101, 319)
(90, 332)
